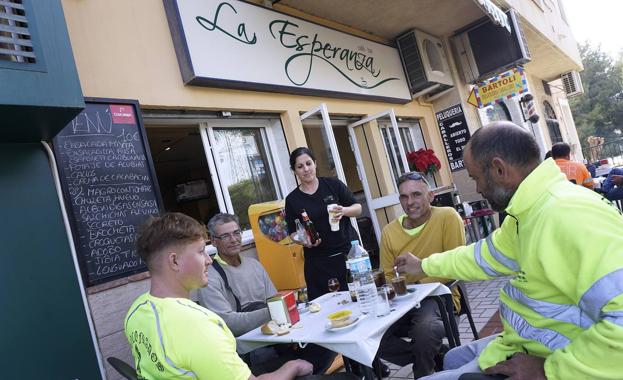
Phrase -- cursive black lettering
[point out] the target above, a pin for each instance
(241, 30)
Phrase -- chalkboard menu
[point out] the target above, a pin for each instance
(455, 134)
(109, 186)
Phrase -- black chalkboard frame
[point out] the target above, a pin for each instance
(154, 182)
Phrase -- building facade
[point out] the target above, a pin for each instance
(228, 88)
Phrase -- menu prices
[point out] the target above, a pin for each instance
(455, 134)
(109, 187)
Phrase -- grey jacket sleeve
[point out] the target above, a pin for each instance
(216, 298)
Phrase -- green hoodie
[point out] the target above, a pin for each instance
(563, 246)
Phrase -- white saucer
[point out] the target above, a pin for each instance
(328, 326)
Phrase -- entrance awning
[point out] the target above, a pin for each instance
(494, 13)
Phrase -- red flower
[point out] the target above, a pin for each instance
(424, 160)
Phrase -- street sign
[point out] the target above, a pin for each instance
(498, 88)
(454, 133)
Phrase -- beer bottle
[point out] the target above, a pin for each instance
(309, 227)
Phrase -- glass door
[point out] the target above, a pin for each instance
(321, 140)
(396, 161)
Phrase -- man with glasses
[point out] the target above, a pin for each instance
(422, 230)
(237, 292)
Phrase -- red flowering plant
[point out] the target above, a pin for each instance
(424, 161)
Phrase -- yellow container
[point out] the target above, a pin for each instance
(282, 259)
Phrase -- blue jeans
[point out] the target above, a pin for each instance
(460, 360)
(615, 194)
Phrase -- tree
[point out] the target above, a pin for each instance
(599, 112)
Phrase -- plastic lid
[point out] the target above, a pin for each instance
(354, 242)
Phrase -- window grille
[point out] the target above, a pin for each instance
(15, 38)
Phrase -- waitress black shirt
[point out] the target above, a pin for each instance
(330, 190)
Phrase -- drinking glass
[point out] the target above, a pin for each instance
(334, 285)
(302, 295)
(381, 306)
(391, 294)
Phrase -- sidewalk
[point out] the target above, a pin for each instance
(483, 298)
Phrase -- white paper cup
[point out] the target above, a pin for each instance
(335, 225)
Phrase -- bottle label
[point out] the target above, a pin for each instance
(360, 265)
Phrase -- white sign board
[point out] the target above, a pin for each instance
(234, 44)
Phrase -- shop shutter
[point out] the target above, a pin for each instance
(15, 39)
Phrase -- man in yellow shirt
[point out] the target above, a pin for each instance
(172, 337)
(576, 172)
(422, 230)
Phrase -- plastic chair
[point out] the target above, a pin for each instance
(123, 368)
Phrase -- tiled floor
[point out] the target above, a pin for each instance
(483, 299)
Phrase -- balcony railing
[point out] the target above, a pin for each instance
(611, 151)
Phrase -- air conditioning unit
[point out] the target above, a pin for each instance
(484, 49)
(572, 82)
(424, 62)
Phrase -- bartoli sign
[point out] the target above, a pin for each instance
(234, 44)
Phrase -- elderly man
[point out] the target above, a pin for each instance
(171, 336)
(237, 292)
(563, 309)
(421, 230)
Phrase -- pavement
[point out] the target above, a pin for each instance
(483, 298)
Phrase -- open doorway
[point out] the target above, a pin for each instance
(182, 170)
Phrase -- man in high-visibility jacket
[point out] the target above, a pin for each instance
(562, 244)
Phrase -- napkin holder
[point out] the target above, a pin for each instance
(282, 308)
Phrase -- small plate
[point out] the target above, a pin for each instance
(347, 327)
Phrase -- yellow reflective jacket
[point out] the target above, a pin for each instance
(563, 246)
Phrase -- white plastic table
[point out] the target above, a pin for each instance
(360, 342)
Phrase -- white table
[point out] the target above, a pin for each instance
(360, 342)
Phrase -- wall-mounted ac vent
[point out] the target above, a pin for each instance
(572, 82)
(424, 62)
(15, 41)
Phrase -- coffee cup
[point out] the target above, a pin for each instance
(400, 285)
(333, 222)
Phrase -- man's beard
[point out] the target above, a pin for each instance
(498, 196)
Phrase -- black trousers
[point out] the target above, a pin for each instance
(271, 358)
(318, 271)
(425, 328)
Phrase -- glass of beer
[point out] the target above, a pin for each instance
(335, 223)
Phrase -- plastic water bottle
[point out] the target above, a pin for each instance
(361, 270)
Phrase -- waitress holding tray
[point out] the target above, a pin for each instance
(325, 259)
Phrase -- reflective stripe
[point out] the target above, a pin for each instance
(169, 361)
(547, 337)
(509, 263)
(482, 263)
(601, 292)
(615, 317)
(562, 313)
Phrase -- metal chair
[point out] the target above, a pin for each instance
(465, 308)
(123, 368)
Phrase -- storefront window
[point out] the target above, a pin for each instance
(498, 112)
(245, 168)
(552, 123)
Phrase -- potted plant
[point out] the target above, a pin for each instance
(424, 161)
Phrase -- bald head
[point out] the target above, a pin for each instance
(506, 141)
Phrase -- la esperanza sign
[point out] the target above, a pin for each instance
(233, 44)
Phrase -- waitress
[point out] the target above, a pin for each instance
(326, 258)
